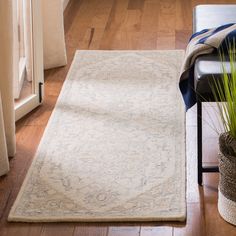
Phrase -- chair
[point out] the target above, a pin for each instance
(207, 16)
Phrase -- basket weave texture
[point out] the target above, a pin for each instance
(227, 183)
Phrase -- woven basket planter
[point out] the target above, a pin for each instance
(227, 184)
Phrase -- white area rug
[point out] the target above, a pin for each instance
(114, 148)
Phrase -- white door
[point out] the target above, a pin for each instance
(28, 56)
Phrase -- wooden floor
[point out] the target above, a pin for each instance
(119, 24)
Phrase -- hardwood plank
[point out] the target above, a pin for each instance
(27, 141)
(21, 229)
(166, 39)
(136, 4)
(132, 21)
(112, 33)
(62, 229)
(85, 230)
(81, 22)
(41, 115)
(92, 39)
(167, 15)
(117, 14)
(117, 40)
(124, 231)
(15, 229)
(181, 38)
(215, 225)
(148, 40)
(96, 27)
(183, 16)
(101, 14)
(209, 191)
(195, 225)
(150, 16)
(156, 231)
(70, 13)
(5, 192)
(35, 229)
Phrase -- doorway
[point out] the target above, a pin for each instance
(28, 57)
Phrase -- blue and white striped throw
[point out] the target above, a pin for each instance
(204, 42)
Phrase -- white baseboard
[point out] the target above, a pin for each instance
(65, 3)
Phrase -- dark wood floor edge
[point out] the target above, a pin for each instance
(5, 205)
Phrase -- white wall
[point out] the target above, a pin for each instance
(53, 34)
(65, 3)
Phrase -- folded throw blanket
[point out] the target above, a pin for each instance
(204, 42)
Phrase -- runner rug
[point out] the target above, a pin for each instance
(114, 147)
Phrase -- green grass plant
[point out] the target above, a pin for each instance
(224, 91)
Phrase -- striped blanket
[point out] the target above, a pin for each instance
(204, 42)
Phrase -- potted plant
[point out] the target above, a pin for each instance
(224, 92)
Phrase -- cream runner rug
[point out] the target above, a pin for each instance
(114, 147)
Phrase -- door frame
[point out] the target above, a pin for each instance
(35, 99)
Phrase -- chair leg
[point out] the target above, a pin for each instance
(199, 141)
